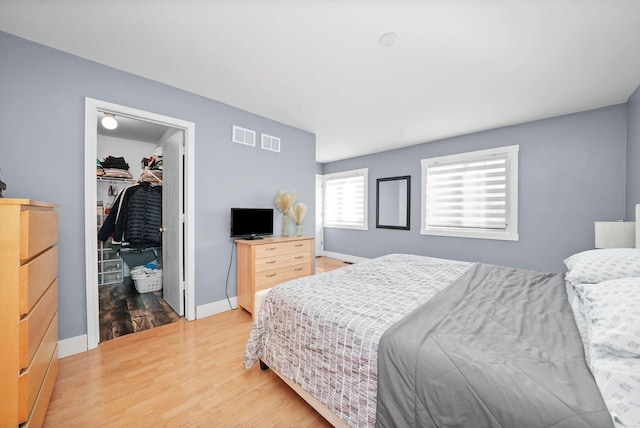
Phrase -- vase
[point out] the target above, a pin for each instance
(285, 225)
(298, 230)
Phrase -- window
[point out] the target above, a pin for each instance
(345, 199)
(473, 195)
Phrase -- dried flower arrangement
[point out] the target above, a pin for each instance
(284, 201)
(298, 212)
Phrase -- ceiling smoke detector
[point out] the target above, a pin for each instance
(388, 39)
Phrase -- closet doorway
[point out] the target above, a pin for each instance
(176, 145)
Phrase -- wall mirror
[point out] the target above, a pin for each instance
(393, 202)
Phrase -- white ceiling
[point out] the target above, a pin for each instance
(457, 66)
(133, 129)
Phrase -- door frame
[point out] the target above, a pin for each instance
(319, 226)
(93, 107)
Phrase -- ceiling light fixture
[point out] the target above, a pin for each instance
(109, 121)
(388, 39)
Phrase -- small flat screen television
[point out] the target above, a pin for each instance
(251, 223)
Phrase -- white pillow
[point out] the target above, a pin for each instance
(596, 266)
(612, 310)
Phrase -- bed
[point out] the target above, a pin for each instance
(406, 340)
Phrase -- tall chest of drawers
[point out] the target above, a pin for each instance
(265, 263)
(28, 310)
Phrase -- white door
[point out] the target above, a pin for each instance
(173, 221)
(319, 244)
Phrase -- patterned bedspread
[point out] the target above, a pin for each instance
(322, 331)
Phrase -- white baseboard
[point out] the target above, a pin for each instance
(78, 344)
(72, 346)
(218, 307)
(346, 257)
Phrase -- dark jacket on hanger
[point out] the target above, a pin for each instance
(136, 217)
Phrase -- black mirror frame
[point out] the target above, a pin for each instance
(378, 181)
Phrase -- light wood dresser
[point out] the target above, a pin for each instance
(28, 310)
(265, 263)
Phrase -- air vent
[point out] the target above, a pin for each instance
(244, 136)
(269, 142)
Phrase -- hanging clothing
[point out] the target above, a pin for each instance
(135, 218)
(152, 168)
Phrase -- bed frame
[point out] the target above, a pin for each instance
(319, 406)
(261, 296)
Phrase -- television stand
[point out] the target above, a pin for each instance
(253, 238)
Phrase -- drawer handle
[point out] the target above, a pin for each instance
(299, 269)
(272, 248)
(299, 245)
(271, 275)
(299, 257)
(270, 262)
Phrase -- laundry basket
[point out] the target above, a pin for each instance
(146, 280)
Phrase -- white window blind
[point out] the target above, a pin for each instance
(471, 193)
(345, 198)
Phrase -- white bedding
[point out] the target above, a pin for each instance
(332, 350)
(604, 291)
(612, 313)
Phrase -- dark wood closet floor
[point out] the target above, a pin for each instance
(123, 310)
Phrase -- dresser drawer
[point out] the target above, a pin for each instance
(108, 255)
(278, 248)
(36, 276)
(39, 411)
(38, 231)
(270, 278)
(34, 326)
(111, 265)
(110, 278)
(31, 379)
(284, 260)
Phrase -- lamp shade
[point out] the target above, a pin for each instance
(615, 234)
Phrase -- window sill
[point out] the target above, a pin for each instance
(477, 234)
(346, 227)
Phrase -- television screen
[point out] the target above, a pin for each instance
(251, 222)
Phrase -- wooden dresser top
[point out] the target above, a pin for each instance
(14, 201)
(273, 240)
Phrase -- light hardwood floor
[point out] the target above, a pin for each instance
(326, 264)
(184, 374)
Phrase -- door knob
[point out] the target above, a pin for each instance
(161, 229)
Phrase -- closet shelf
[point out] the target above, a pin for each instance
(116, 179)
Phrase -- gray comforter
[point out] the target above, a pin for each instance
(497, 348)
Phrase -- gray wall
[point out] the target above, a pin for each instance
(571, 173)
(42, 95)
(633, 154)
